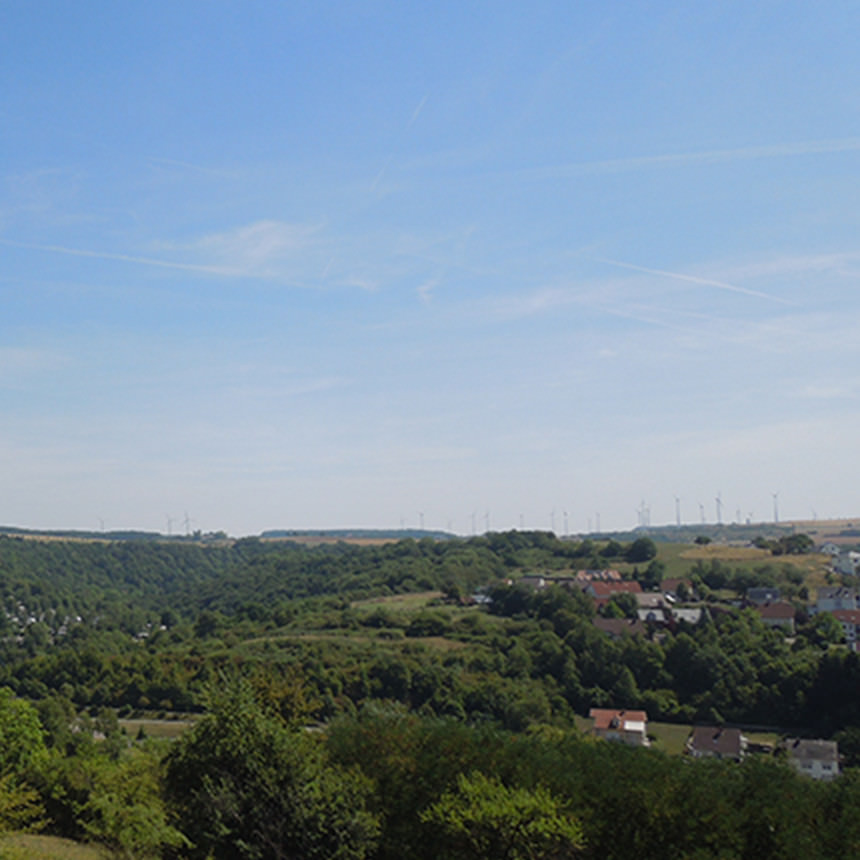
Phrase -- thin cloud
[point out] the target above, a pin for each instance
(263, 249)
(416, 113)
(694, 279)
(188, 166)
(710, 156)
(256, 249)
(425, 291)
(125, 258)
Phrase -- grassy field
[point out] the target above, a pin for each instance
(155, 728)
(671, 737)
(32, 847)
(407, 602)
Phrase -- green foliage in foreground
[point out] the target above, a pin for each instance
(483, 817)
(389, 785)
(243, 784)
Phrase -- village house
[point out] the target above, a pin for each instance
(847, 563)
(815, 758)
(716, 742)
(761, 595)
(652, 608)
(850, 621)
(615, 628)
(629, 727)
(829, 598)
(779, 614)
(603, 591)
(689, 615)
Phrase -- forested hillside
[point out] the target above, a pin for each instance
(410, 646)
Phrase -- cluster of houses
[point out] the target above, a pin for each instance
(664, 609)
(842, 560)
(818, 759)
(19, 618)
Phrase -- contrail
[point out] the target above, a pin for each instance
(706, 282)
(418, 110)
(125, 258)
(708, 156)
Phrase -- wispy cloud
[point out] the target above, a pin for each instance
(417, 112)
(425, 290)
(264, 249)
(125, 258)
(260, 249)
(176, 164)
(695, 279)
(709, 156)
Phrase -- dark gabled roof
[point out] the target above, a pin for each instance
(812, 750)
(716, 741)
(620, 626)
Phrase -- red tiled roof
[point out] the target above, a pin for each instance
(607, 589)
(603, 718)
(847, 616)
(776, 610)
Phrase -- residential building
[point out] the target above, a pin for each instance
(847, 563)
(603, 591)
(629, 727)
(763, 595)
(850, 621)
(716, 742)
(832, 597)
(815, 758)
(779, 614)
(615, 628)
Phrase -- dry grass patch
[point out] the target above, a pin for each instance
(156, 728)
(33, 847)
(415, 600)
(724, 552)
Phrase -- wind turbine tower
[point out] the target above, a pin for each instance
(677, 511)
(719, 502)
(775, 507)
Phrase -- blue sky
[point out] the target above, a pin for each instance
(306, 265)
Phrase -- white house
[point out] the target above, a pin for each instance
(629, 727)
(815, 758)
(832, 597)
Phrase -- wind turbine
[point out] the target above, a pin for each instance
(775, 506)
(678, 511)
(719, 501)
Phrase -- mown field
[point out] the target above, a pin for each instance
(35, 847)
